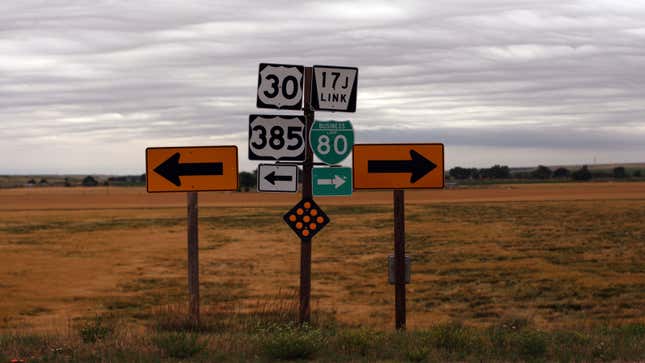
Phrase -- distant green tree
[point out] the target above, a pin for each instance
(460, 173)
(89, 181)
(561, 173)
(581, 175)
(637, 173)
(601, 174)
(248, 180)
(495, 172)
(542, 172)
(620, 172)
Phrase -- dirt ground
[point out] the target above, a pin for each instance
(558, 254)
(124, 198)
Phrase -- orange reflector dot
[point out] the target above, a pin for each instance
(306, 219)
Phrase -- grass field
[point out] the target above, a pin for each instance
(565, 257)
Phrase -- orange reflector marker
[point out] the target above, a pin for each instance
(306, 219)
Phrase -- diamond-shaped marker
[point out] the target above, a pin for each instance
(306, 218)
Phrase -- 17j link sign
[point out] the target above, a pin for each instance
(334, 88)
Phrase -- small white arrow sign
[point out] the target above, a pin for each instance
(277, 178)
(337, 182)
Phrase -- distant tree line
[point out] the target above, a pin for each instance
(501, 172)
(248, 180)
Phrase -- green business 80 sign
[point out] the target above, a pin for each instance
(331, 141)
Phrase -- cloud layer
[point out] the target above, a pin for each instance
(86, 87)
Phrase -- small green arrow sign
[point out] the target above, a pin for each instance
(331, 141)
(331, 181)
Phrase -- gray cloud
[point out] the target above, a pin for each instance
(86, 87)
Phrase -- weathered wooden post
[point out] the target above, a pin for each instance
(193, 258)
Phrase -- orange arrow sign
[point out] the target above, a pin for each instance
(190, 169)
(398, 166)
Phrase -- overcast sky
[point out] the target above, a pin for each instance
(86, 86)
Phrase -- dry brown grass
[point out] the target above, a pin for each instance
(561, 255)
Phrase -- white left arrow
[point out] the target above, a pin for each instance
(337, 181)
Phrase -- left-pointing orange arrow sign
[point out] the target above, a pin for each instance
(179, 169)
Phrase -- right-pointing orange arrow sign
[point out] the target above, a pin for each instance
(398, 166)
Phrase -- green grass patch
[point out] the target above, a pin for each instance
(257, 338)
(180, 345)
(291, 342)
(94, 330)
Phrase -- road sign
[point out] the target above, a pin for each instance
(398, 166)
(331, 141)
(306, 218)
(280, 86)
(334, 88)
(274, 137)
(277, 178)
(183, 169)
(331, 181)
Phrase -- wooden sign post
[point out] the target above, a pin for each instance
(280, 86)
(192, 169)
(193, 258)
(399, 258)
(398, 167)
(304, 311)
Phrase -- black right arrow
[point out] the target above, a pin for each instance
(419, 166)
(272, 178)
(172, 170)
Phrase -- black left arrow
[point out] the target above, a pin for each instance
(418, 165)
(272, 178)
(172, 170)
